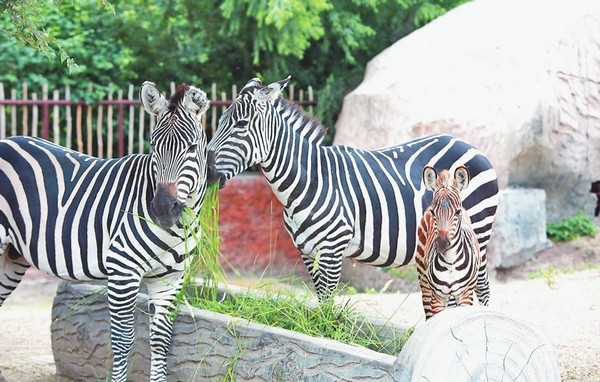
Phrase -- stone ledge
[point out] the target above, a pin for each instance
(204, 346)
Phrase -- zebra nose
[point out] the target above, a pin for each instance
(165, 209)
(442, 243)
(212, 174)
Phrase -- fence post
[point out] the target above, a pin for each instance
(120, 132)
(25, 111)
(99, 135)
(2, 113)
(310, 98)
(34, 115)
(131, 120)
(141, 139)
(55, 118)
(69, 117)
(79, 127)
(45, 112)
(13, 114)
(109, 127)
(90, 128)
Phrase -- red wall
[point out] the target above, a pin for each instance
(251, 227)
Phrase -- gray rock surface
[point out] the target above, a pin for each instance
(520, 228)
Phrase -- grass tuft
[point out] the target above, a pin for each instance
(270, 303)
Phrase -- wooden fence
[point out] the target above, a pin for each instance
(113, 127)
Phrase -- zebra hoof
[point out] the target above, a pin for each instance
(476, 344)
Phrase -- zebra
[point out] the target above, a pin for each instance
(82, 218)
(448, 257)
(342, 202)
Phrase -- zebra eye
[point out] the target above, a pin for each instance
(192, 149)
(241, 123)
(457, 212)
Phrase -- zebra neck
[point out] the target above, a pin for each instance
(454, 254)
(294, 164)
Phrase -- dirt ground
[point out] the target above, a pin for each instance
(558, 291)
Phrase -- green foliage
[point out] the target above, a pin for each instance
(571, 228)
(285, 27)
(323, 43)
(75, 27)
(26, 18)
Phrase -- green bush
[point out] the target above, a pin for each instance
(571, 228)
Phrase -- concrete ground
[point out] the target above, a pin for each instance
(563, 304)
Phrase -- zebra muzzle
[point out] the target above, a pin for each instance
(165, 208)
(442, 243)
(212, 174)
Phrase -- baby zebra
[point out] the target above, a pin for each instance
(448, 257)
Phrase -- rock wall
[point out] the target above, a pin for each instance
(516, 78)
(520, 228)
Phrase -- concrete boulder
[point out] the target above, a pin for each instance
(516, 78)
(520, 228)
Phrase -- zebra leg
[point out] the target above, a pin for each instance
(465, 299)
(482, 288)
(12, 269)
(325, 270)
(437, 305)
(426, 298)
(162, 294)
(123, 289)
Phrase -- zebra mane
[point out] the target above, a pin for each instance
(177, 97)
(310, 126)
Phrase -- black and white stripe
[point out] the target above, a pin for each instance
(83, 218)
(340, 201)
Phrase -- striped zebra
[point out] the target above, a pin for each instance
(340, 201)
(448, 259)
(83, 218)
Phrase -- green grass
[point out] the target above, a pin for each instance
(571, 228)
(291, 310)
(549, 274)
(204, 258)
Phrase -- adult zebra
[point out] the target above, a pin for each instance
(340, 201)
(83, 218)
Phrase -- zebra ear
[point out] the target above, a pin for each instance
(271, 92)
(429, 178)
(461, 177)
(196, 101)
(253, 83)
(154, 102)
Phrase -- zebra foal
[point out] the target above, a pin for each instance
(448, 257)
(340, 201)
(78, 217)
